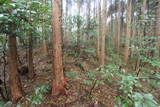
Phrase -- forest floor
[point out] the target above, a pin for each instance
(84, 90)
(80, 94)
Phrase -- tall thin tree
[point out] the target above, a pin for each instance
(30, 50)
(158, 28)
(104, 30)
(128, 31)
(99, 29)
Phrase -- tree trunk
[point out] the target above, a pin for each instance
(59, 83)
(88, 18)
(45, 40)
(142, 34)
(99, 31)
(158, 29)
(15, 83)
(30, 58)
(119, 31)
(104, 27)
(128, 31)
(78, 26)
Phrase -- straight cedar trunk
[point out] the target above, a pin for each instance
(30, 58)
(88, 18)
(119, 29)
(15, 83)
(104, 27)
(141, 35)
(158, 28)
(58, 83)
(99, 31)
(128, 31)
(30, 52)
(78, 26)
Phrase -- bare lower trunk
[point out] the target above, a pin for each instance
(59, 83)
(15, 83)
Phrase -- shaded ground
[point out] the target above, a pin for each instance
(80, 94)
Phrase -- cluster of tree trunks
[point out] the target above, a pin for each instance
(102, 31)
(59, 82)
(102, 13)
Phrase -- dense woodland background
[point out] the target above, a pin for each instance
(79, 53)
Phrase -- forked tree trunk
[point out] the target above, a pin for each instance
(15, 83)
(58, 83)
(128, 31)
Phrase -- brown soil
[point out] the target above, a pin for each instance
(79, 93)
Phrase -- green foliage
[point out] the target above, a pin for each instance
(71, 53)
(75, 23)
(7, 104)
(137, 100)
(72, 75)
(127, 83)
(152, 61)
(38, 97)
(90, 51)
(110, 72)
(23, 18)
(114, 58)
(144, 100)
(123, 102)
(154, 80)
(92, 77)
(130, 97)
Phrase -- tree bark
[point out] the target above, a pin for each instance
(128, 31)
(142, 34)
(59, 83)
(119, 29)
(78, 26)
(99, 31)
(15, 83)
(104, 27)
(30, 58)
(158, 29)
(30, 52)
